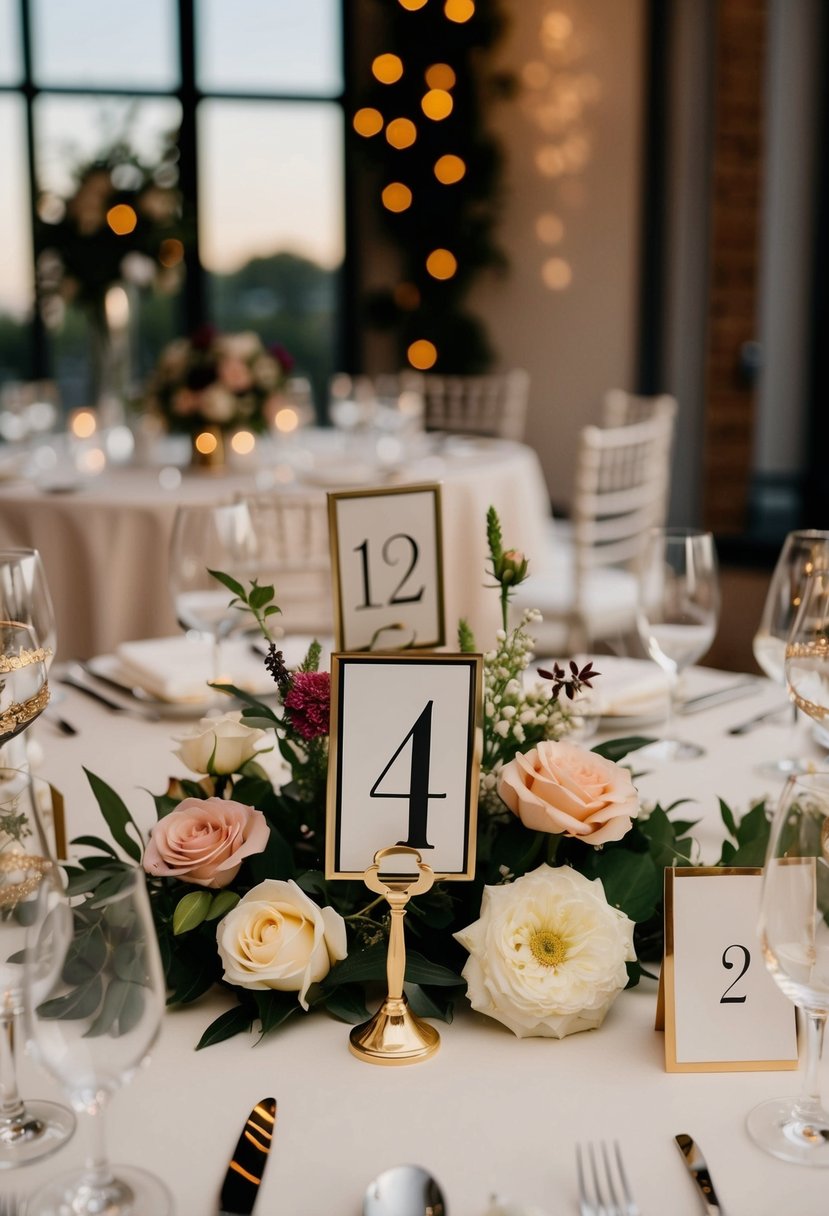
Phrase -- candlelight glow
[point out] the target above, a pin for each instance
(206, 443)
(243, 442)
(83, 424)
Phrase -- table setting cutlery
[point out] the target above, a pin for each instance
(247, 1165)
(730, 692)
(603, 1187)
(743, 728)
(76, 677)
(698, 1169)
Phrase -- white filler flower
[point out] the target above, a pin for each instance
(547, 956)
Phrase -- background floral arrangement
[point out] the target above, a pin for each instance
(569, 868)
(222, 380)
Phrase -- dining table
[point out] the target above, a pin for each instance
(489, 1114)
(104, 538)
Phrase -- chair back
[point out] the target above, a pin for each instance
(493, 405)
(621, 408)
(292, 532)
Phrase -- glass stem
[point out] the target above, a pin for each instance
(217, 662)
(667, 726)
(11, 1104)
(97, 1171)
(808, 1104)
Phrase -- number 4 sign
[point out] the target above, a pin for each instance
(388, 568)
(404, 760)
(718, 1005)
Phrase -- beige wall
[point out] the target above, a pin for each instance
(578, 341)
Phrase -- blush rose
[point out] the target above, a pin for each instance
(205, 840)
(559, 787)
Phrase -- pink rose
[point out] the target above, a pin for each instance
(558, 787)
(205, 840)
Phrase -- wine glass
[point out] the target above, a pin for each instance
(32, 1129)
(803, 553)
(24, 597)
(794, 935)
(806, 657)
(24, 687)
(677, 614)
(209, 538)
(95, 994)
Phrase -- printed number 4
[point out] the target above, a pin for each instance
(418, 793)
(725, 999)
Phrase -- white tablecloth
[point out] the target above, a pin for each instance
(104, 544)
(489, 1112)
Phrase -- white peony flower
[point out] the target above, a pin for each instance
(547, 956)
(219, 745)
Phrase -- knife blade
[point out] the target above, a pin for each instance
(731, 692)
(247, 1165)
(698, 1170)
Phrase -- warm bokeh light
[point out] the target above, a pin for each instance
(401, 133)
(535, 75)
(407, 296)
(459, 10)
(368, 121)
(396, 197)
(387, 68)
(550, 160)
(449, 169)
(557, 274)
(440, 76)
(556, 28)
(170, 252)
(437, 104)
(92, 461)
(206, 443)
(441, 264)
(243, 443)
(122, 219)
(117, 307)
(549, 228)
(412, 5)
(422, 354)
(83, 424)
(286, 420)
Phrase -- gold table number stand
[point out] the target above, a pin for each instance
(394, 1035)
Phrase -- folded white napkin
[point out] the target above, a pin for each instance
(179, 668)
(628, 687)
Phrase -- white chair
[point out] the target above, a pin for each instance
(585, 584)
(292, 532)
(621, 408)
(493, 405)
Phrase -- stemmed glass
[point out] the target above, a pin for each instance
(209, 538)
(94, 1000)
(794, 907)
(25, 598)
(677, 614)
(803, 553)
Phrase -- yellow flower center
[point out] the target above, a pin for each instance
(548, 948)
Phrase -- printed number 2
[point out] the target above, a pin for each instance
(396, 597)
(725, 999)
(418, 794)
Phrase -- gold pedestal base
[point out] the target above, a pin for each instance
(394, 1036)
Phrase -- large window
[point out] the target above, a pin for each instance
(165, 165)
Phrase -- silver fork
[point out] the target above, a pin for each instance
(603, 1186)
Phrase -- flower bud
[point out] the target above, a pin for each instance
(511, 567)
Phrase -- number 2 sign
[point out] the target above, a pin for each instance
(386, 555)
(404, 760)
(720, 1008)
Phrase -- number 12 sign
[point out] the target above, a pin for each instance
(386, 555)
(405, 758)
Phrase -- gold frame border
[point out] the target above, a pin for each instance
(334, 497)
(476, 721)
(666, 1000)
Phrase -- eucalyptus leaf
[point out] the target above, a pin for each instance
(81, 1002)
(116, 1000)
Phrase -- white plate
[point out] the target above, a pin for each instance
(623, 724)
(107, 668)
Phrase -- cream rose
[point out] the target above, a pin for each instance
(219, 745)
(559, 787)
(547, 956)
(205, 841)
(277, 937)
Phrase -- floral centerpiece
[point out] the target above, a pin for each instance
(218, 380)
(564, 912)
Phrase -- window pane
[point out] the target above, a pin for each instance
(11, 66)
(104, 43)
(274, 46)
(270, 199)
(108, 181)
(16, 281)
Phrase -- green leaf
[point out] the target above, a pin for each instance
(95, 842)
(164, 804)
(311, 662)
(231, 583)
(118, 819)
(260, 596)
(346, 1003)
(728, 818)
(275, 861)
(112, 885)
(420, 970)
(221, 904)
(360, 967)
(274, 1008)
(81, 1002)
(631, 882)
(272, 610)
(234, 1021)
(617, 749)
(426, 1004)
(191, 911)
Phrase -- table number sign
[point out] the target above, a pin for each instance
(718, 1005)
(387, 566)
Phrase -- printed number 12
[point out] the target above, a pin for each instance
(418, 793)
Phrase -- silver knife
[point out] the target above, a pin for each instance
(698, 1170)
(247, 1165)
(731, 692)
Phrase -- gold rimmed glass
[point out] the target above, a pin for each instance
(24, 687)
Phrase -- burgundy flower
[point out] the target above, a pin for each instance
(283, 357)
(204, 337)
(309, 703)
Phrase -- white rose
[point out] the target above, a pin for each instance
(547, 956)
(277, 937)
(219, 745)
(217, 404)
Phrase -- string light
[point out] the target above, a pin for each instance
(387, 68)
(440, 76)
(170, 252)
(422, 354)
(412, 5)
(437, 104)
(122, 219)
(459, 10)
(449, 169)
(441, 264)
(368, 122)
(396, 197)
(206, 443)
(401, 133)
